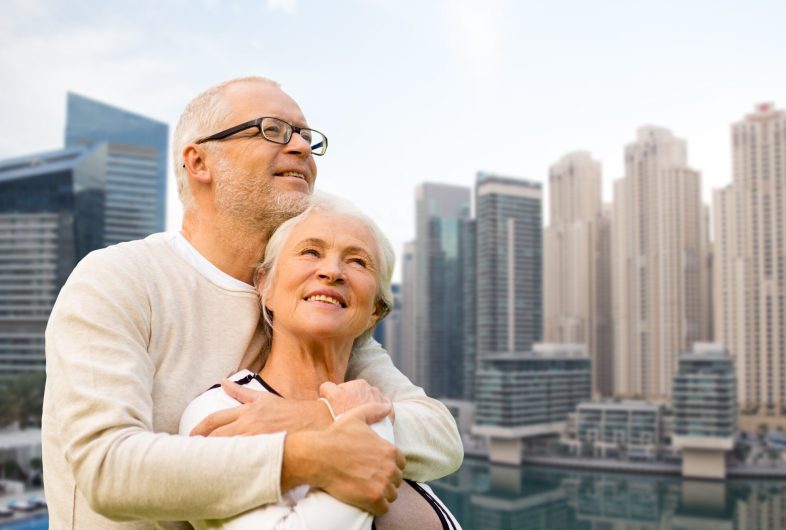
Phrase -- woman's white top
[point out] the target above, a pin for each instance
(301, 508)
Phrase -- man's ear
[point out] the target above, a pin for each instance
(195, 164)
(259, 280)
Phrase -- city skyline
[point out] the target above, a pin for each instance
(554, 83)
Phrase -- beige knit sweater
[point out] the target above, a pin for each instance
(136, 333)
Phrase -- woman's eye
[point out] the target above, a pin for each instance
(309, 252)
(358, 261)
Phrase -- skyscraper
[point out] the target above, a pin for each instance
(407, 363)
(136, 170)
(51, 215)
(440, 209)
(576, 308)
(509, 297)
(750, 264)
(657, 264)
(106, 186)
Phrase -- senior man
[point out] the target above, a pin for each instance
(141, 328)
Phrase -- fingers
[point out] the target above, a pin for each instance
(400, 462)
(369, 413)
(240, 393)
(327, 389)
(215, 421)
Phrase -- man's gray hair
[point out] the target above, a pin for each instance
(202, 117)
(324, 202)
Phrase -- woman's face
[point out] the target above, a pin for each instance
(326, 279)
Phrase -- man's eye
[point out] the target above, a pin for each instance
(306, 135)
(272, 130)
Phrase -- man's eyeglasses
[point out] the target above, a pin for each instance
(276, 131)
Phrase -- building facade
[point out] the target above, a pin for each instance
(705, 410)
(439, 209)
(750, 264)
(658, 259)
(135, 177)
(509, 279)
(576, 307)
(522, 395)
(628, 429)
(51, 215)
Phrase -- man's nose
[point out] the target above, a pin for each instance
(298, 145)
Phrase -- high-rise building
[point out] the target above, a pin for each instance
(440, 210)
(388, 331)
(469, 267)
(576, 308)
(658, 258)
(750, 261)
(135, 178)
(407, 362)
(51, 215)
(509, 289)
(106, 186)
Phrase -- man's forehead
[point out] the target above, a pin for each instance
(249, 100)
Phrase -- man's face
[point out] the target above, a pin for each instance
(256, 181)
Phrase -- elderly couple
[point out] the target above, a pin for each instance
(313, 427)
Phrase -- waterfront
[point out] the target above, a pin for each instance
(495, 497)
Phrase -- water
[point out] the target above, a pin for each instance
(38, 522)
(492, 497)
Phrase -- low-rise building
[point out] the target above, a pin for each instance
(705, 408)
(630, 429)
(526, 395)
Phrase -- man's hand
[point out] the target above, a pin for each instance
(262, 413)
(348, 460)
(352, 394)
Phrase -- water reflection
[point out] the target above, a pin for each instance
(492, 497)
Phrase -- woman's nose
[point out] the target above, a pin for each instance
(331, 271)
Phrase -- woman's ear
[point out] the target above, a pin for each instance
(379, 311)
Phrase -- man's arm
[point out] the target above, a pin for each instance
(424, 428)
(99, 413)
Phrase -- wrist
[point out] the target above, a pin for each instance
(301, 463)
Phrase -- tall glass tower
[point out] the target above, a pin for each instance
(136, 166)
(440, 210)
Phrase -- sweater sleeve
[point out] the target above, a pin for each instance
(425, 430)
(100, 381)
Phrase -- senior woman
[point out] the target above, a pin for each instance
(323, 285)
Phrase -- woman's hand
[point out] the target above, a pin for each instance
(262, 413)
(351, 394)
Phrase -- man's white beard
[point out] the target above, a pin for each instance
(254, 203)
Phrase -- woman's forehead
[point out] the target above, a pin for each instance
(333, 228)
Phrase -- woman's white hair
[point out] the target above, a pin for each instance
(324, 202)
(202, 117)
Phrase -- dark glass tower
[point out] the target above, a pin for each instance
(51, 215)
(136, 166)
(440, 211)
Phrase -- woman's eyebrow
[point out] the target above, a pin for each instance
(359, 250)
(312, 241)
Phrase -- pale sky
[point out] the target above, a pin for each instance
(410, 91)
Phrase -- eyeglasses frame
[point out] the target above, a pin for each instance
(258, 124)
